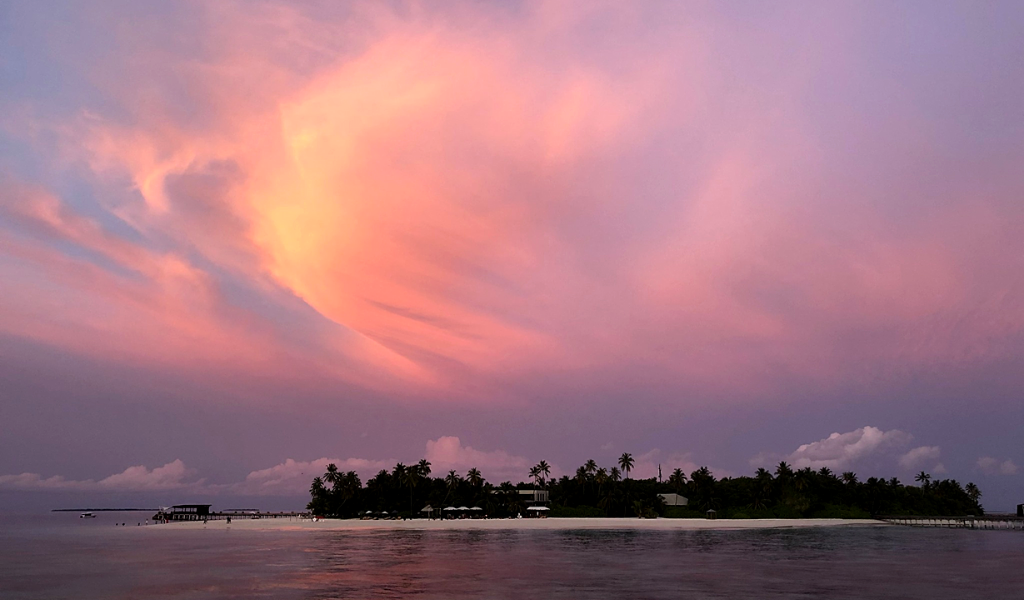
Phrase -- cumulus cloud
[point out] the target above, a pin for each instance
(920, 456)
(294, 477)
(288, 478)
(171, 476)
(993, 466)
(646, 465)
(447, 453)
(841, 451)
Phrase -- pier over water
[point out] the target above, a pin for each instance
(1009, 522)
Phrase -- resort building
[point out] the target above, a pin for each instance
(534, 497)
(674, 500)
(188, 512)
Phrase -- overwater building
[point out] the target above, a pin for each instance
(186, 512)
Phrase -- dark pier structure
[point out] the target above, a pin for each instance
(202, 512)
(1008, 522)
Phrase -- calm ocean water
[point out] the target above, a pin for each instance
(61, 556)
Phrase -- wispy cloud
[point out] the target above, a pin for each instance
(430, 231)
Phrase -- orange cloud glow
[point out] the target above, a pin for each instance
(451, 203)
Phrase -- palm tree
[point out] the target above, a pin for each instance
(474, 478)
(411, 478)
(452, 481)
(923, 478)
(424, 467)
(600, 477)
(849, 478)
(972, 491)
(763, 477)
(702, 482)
(590, 466)
(349, 485)
(626, 462)
(535, 475)
(318, 503)
(677, 479)
(825, 472)
(802, 479)
(511, 498)
(332, 476)
(545, 469)
(615, 474)
(581, 478)
(783, 471)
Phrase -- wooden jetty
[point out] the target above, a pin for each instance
(1009, 522)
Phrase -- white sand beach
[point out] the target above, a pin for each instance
(296, 524)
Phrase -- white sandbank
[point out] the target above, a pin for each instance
(296, 524)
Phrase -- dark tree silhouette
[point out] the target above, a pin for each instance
(600, 491)
(626, 463)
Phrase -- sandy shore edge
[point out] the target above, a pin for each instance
(295, 524)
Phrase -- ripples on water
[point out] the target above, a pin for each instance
(38, 560)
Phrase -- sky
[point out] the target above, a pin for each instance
(239, 240)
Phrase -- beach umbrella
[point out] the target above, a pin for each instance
(463, 508)
(427, 509)
(447, 508)
(538, 508)
(476, 508)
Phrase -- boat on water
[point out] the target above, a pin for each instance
(87, 515)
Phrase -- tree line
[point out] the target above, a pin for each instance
(596, 491)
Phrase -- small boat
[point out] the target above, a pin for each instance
(87, 515)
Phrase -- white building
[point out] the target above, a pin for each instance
(534, 496)
(674, 500)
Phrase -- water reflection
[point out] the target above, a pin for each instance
(835, 563)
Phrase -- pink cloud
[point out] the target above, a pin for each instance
(993, 466)
(471, 199)
(844, 451)
(288, 478)
(646, 465)
(294, 477)
(920, 456)
(171, 476)
(447, 453)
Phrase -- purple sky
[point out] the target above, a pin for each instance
(241, 239)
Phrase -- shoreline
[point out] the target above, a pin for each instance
(296, 524)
